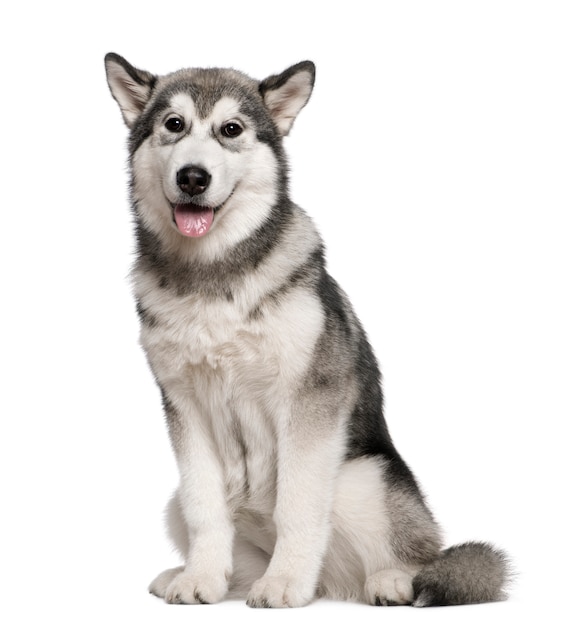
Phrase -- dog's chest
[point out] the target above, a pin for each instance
(206, 356)
(192, 336)
(235, 368)
(250, 344)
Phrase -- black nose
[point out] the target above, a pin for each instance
(192, 180)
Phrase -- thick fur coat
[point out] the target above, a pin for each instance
(290, 485)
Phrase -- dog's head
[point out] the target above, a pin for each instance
(205, 146)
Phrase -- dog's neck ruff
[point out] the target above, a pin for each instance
(189, 265)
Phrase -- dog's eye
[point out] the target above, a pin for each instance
(231, 129)
(174, 124)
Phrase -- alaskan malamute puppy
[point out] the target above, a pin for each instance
(290, 485)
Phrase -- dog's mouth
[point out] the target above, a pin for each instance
(193, 220)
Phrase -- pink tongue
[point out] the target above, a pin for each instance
(193, 220)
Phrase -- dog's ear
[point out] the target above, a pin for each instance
(286, 94)
(130, 87)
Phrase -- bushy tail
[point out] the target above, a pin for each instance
(465, 574)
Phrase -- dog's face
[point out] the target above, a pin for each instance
(205, 146)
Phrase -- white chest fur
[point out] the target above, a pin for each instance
(238, 370)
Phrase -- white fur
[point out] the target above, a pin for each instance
(241, 374)
(236, 181)
(358, 564)
(260, 382)
(234, 378)
(390, 587)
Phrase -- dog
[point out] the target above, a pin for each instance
(290, 486)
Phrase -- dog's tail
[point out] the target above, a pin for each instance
(469, 573)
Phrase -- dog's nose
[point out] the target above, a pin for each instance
(192, 180)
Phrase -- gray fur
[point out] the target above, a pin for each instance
(469, 573)
(291, 486)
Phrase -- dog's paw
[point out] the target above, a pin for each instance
(178, 586)
(161, 583)
(272, 592)
(389, 587)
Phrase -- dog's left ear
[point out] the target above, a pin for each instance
(286, 94)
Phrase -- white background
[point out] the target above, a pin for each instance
(438, 157)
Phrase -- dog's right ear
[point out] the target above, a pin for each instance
(130, 87)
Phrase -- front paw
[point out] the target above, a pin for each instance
(188, 588)
(274, 592)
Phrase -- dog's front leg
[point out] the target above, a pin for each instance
(208, 565)
(308, 459)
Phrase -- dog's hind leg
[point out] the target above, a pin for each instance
(382, 534)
